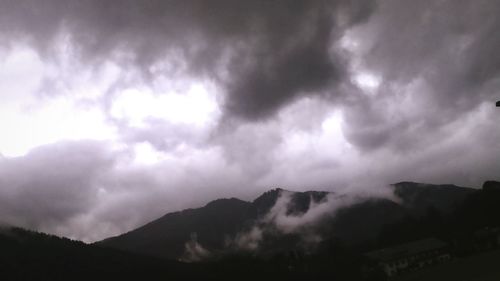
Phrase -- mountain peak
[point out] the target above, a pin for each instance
(225, 202)
(421, 196)
(491, 185)
(231, 220)
(410, 184)
(266, 201)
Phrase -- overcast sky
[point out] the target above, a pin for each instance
(113, 113)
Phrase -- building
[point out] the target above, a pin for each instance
(410, 256)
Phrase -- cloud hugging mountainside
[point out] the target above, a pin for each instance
(283, 221)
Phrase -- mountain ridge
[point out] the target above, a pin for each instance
(279, 213)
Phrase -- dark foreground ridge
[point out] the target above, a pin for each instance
(233, 239)
(28, 255)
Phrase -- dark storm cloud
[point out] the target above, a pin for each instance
(266, 53)
(439, 63)
(431, 119)
(52, 183)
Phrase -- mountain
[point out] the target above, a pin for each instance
(491, 185)
(281, 220)
(28, 255)
(281, 235)
(166, 237)
(419, 197)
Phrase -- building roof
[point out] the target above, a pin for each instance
(406, 250)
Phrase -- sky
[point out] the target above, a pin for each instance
(114, 113)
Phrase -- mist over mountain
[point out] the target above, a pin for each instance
(282, 235)
(280, 220)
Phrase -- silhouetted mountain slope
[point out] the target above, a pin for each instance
(299, 235)
(226, 224)
(166, 236)
(363, 221)
(266, 201)
(26, 255)
(491, 185)
(480, 209)
(419, 197)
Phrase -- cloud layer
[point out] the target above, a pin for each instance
(266, 54)
(116, 112)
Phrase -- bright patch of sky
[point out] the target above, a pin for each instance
(46, 101)
(195, 107)
(367, 81)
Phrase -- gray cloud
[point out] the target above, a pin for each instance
(165, 136)
(194, 251)
(267, 54)
(89, 190)
(438, 64)
(283, 68)
(52, 184)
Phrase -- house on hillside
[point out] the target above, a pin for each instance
(410, 256)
